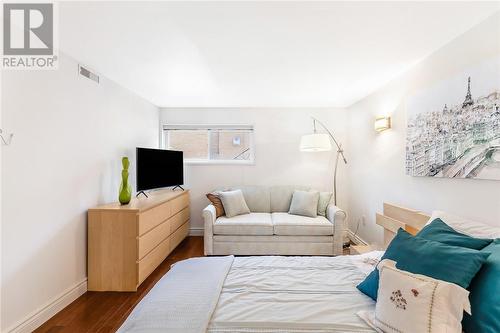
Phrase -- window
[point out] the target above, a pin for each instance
(211, 144)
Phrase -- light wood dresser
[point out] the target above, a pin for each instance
(126, 243)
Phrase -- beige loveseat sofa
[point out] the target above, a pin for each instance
(270, 230)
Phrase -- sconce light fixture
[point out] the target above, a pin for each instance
(382, 123)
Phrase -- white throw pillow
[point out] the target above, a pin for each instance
(234, 203)
(416, 303)
(467, 227)
(304, 203)
(323, 202)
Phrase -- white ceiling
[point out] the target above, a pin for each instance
(223, 54)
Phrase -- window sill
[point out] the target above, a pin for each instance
(215, 162)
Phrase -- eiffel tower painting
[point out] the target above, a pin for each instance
(455, 137)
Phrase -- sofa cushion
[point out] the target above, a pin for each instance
(234, 203)
(294, 225)
(248, 224)
(217, 203)
(304, 203)
(257, 198)
(324, 201)
(281, 197)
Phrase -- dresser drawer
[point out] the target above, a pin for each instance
(153, 237)
(178, 235)
(154, 216)
(180, 203)
(178, 219)
(148, 264)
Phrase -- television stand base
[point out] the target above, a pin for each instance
(141, 192)
(177, 186)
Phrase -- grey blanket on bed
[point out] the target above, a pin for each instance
(183, 300)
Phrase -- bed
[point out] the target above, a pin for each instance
(258, 294)
(265, 294)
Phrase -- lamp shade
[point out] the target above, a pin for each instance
(315, 142)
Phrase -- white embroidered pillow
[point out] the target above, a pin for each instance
(416, 303)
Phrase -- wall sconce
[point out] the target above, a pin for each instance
(382, 123)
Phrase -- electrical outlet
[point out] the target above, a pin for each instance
(363, 220)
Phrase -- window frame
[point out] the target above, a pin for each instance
(235, 127)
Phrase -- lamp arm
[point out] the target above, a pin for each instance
(339, 146)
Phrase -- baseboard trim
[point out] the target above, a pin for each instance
(356, 239)
(44, 313)
(196, 232)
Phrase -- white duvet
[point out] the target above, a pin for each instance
(258, 294)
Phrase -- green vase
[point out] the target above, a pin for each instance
(125, 188)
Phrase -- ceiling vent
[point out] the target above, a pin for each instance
(88, 74)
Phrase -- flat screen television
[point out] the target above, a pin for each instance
(158, 168)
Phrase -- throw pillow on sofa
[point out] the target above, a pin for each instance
(304, 203)
(324, 200)
(214, 198)
(234, 203)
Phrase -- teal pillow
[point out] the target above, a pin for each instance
(439, 231)
(484, 295)
(434, 259)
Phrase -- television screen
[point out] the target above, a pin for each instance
(159, 168)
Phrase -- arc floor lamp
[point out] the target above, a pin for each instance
(317, 142)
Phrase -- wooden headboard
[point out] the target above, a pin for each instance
(395, 217)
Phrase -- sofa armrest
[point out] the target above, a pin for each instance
(209, 217)
(337, 216)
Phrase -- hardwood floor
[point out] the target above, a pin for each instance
(99, 312)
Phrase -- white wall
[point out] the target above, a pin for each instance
(1, 210)
(377, 171)
(70, 135)
(278, 160)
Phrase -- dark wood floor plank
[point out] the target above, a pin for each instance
(104, 312)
